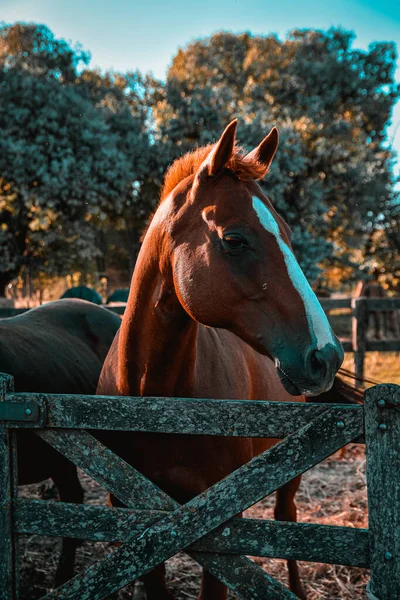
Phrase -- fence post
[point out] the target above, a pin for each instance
(359, 334)
(382, 438)
(8, 580)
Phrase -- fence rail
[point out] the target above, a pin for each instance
(154, 526)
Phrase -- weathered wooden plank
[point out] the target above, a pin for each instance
(383, 304)
(308, 542)
(392, 345)
(369, 594)
(8, 581)
(382, 430)
(332, 303)
(96, 460)
(6, 545)
(14, 497)
(247, 418)
(95, 523)
(359, 322)
(105, 467)
(241, 489)
(246, 579)
(253, 537)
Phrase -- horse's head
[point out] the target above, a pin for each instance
(233, 266)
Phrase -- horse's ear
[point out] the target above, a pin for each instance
(265, 152)
(221, 152)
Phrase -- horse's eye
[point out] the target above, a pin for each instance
(233, 241)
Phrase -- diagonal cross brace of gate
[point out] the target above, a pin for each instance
(239, 573)
(186, 524)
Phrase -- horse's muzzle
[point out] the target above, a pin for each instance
(313, 375)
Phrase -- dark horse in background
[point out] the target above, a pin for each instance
(58, 347)
(118, 296)
(84, 293)
(218, 308)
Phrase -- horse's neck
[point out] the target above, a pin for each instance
(157, 341)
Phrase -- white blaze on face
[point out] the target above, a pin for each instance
(317, 321)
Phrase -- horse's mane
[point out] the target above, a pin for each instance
(239, 164)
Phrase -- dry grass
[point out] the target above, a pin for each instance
(382, 367)
(332, 493)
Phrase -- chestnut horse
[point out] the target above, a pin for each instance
(59, 347)
(218, 308)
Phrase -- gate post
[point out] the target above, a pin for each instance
(382, 438)
(8, 580)
(359, 334)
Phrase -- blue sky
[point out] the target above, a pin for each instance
(145, 34)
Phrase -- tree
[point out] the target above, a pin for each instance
(68, 155)
(33, 48)
(123, 100)
(332, 104)
(82, 154)
(382, 250)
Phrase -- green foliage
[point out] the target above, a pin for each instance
(71, 148)
(33, 48)
(82, 154)
(331, 103)
(123, 102)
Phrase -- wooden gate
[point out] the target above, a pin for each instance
(154, 527)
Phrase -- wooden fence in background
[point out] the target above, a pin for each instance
(359, 308)
(359, 343)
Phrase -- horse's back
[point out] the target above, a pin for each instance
(58, 347)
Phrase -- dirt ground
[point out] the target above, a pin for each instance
(333, 493)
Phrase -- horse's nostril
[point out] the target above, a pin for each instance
(324, 365)
(315, 362)
(318, 364)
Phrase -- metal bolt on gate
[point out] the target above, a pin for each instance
(153, 532)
